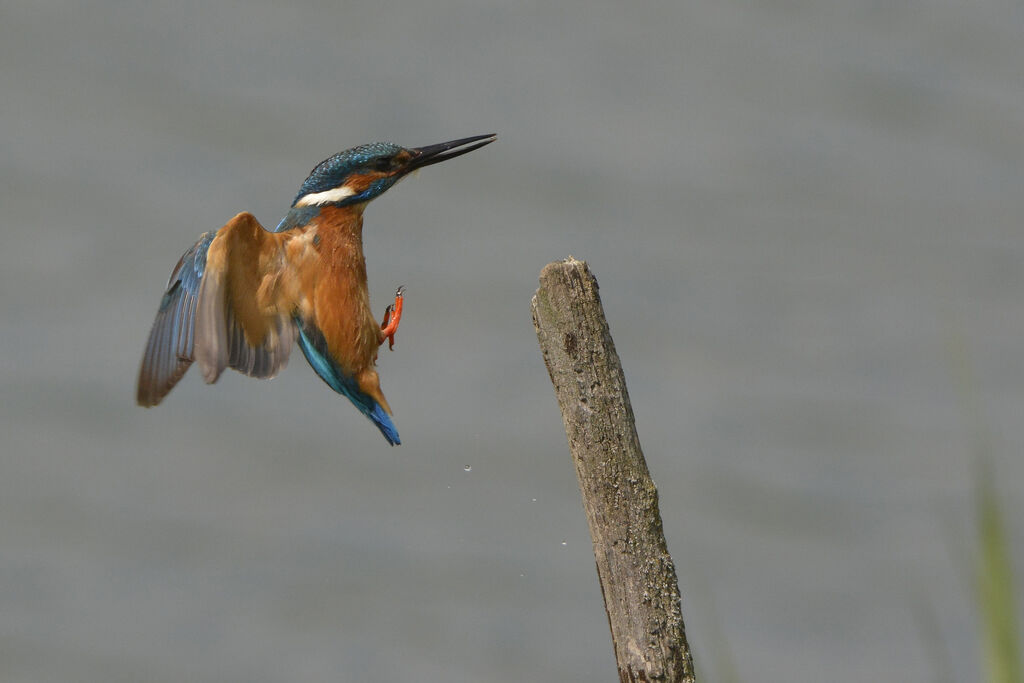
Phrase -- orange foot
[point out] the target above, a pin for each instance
(392, 314)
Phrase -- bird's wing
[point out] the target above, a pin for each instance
(169, 351)
(231, 328)
(210, 312)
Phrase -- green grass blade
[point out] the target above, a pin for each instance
(1000, 637)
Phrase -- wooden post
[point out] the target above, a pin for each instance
(637, 575)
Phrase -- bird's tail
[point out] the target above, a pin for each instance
(315, 348)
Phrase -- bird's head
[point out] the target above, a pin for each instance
(363, 173)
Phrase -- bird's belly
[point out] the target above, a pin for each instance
(322, 283)
(341, 311)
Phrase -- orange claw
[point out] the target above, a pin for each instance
(392, 315)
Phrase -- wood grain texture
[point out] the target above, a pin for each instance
(637, 575)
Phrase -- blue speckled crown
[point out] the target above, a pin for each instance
(331, 172)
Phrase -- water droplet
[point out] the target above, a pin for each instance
(468, 468)
(565, 543)
(533, 500)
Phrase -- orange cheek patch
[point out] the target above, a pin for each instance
(361, 183)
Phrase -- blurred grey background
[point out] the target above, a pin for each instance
(805, 218)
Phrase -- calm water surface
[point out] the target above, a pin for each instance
(806, 222)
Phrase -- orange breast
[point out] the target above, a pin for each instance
(339, 297)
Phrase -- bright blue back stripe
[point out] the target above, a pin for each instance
(336, 379)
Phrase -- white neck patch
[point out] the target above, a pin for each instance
(326, 197)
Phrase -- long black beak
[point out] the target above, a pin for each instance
(432, 154)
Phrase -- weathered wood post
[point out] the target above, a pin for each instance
(637, 575)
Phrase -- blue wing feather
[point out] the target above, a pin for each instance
(313, 345)
(169, 351)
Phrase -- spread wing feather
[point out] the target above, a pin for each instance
(170, 346)
(209, 313)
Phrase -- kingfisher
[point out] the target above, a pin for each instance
(241, 297)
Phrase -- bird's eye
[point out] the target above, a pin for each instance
(382, 164)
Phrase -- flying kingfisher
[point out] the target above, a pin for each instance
(241, 296)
